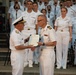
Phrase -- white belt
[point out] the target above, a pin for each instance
(47, 51)
(47, 48)
(63, 30)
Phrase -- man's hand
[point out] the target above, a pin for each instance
(70, 39)
(32, 47)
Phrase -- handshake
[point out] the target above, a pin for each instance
(33, 41)
(29, 46)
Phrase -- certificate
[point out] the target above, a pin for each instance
(34, 39)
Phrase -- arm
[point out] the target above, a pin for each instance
(70, 31)
(50, 43)
(47, 43)
(21, 47)
(55, 27)
(36, 28)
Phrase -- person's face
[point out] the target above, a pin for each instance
(24, 3)
(35, 7)
(63, 11)
(46, 2)
(29, 5)
(49, 8)
(44, 12)
(41, 21)
(68, 3)
(21, 26)
(17, 6)
(61, 4)
(40, 1)
(16, 0)
(55, 2)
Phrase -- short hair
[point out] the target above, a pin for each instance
(41, 15)
(35, 3)
(29, 1)
(44, 10)
(64, 8)
(16, 4)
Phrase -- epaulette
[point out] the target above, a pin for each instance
(49, 27)
(17, 31)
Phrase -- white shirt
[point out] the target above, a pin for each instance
(16, 39)
(30, 19)
(48, 35)
(63, 23)
(40, 7)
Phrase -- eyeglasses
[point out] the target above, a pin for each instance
(39, 20)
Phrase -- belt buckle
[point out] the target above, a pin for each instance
(61, 30)
(41, 49)
(28, 28)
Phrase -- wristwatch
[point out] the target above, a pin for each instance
(43, 44)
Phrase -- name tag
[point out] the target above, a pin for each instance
(45, 35)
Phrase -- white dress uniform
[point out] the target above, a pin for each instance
(47, 58)
(63, 37)
(29, 29)
(17, 56)
(40, 7)
(56, 11)
(51, 2)
(51, 18)
(12, 6)
(14, 15)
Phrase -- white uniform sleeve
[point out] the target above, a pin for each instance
(52, 35)
(56, 22)
(16, 40)
(70, 22)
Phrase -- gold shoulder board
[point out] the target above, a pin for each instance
(16, 31)
(49, 27)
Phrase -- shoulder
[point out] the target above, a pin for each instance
(20, 10)
(16, 31)
(24, 12)
(58, 18)
(49, 27)
(68, 18)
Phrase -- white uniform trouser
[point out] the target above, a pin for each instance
(28, 52)
(17, 62)
(62, 48)
(47, 61)
(73, 40)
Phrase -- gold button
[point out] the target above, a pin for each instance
(61, 30)
(28, 28)
(41, 49)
